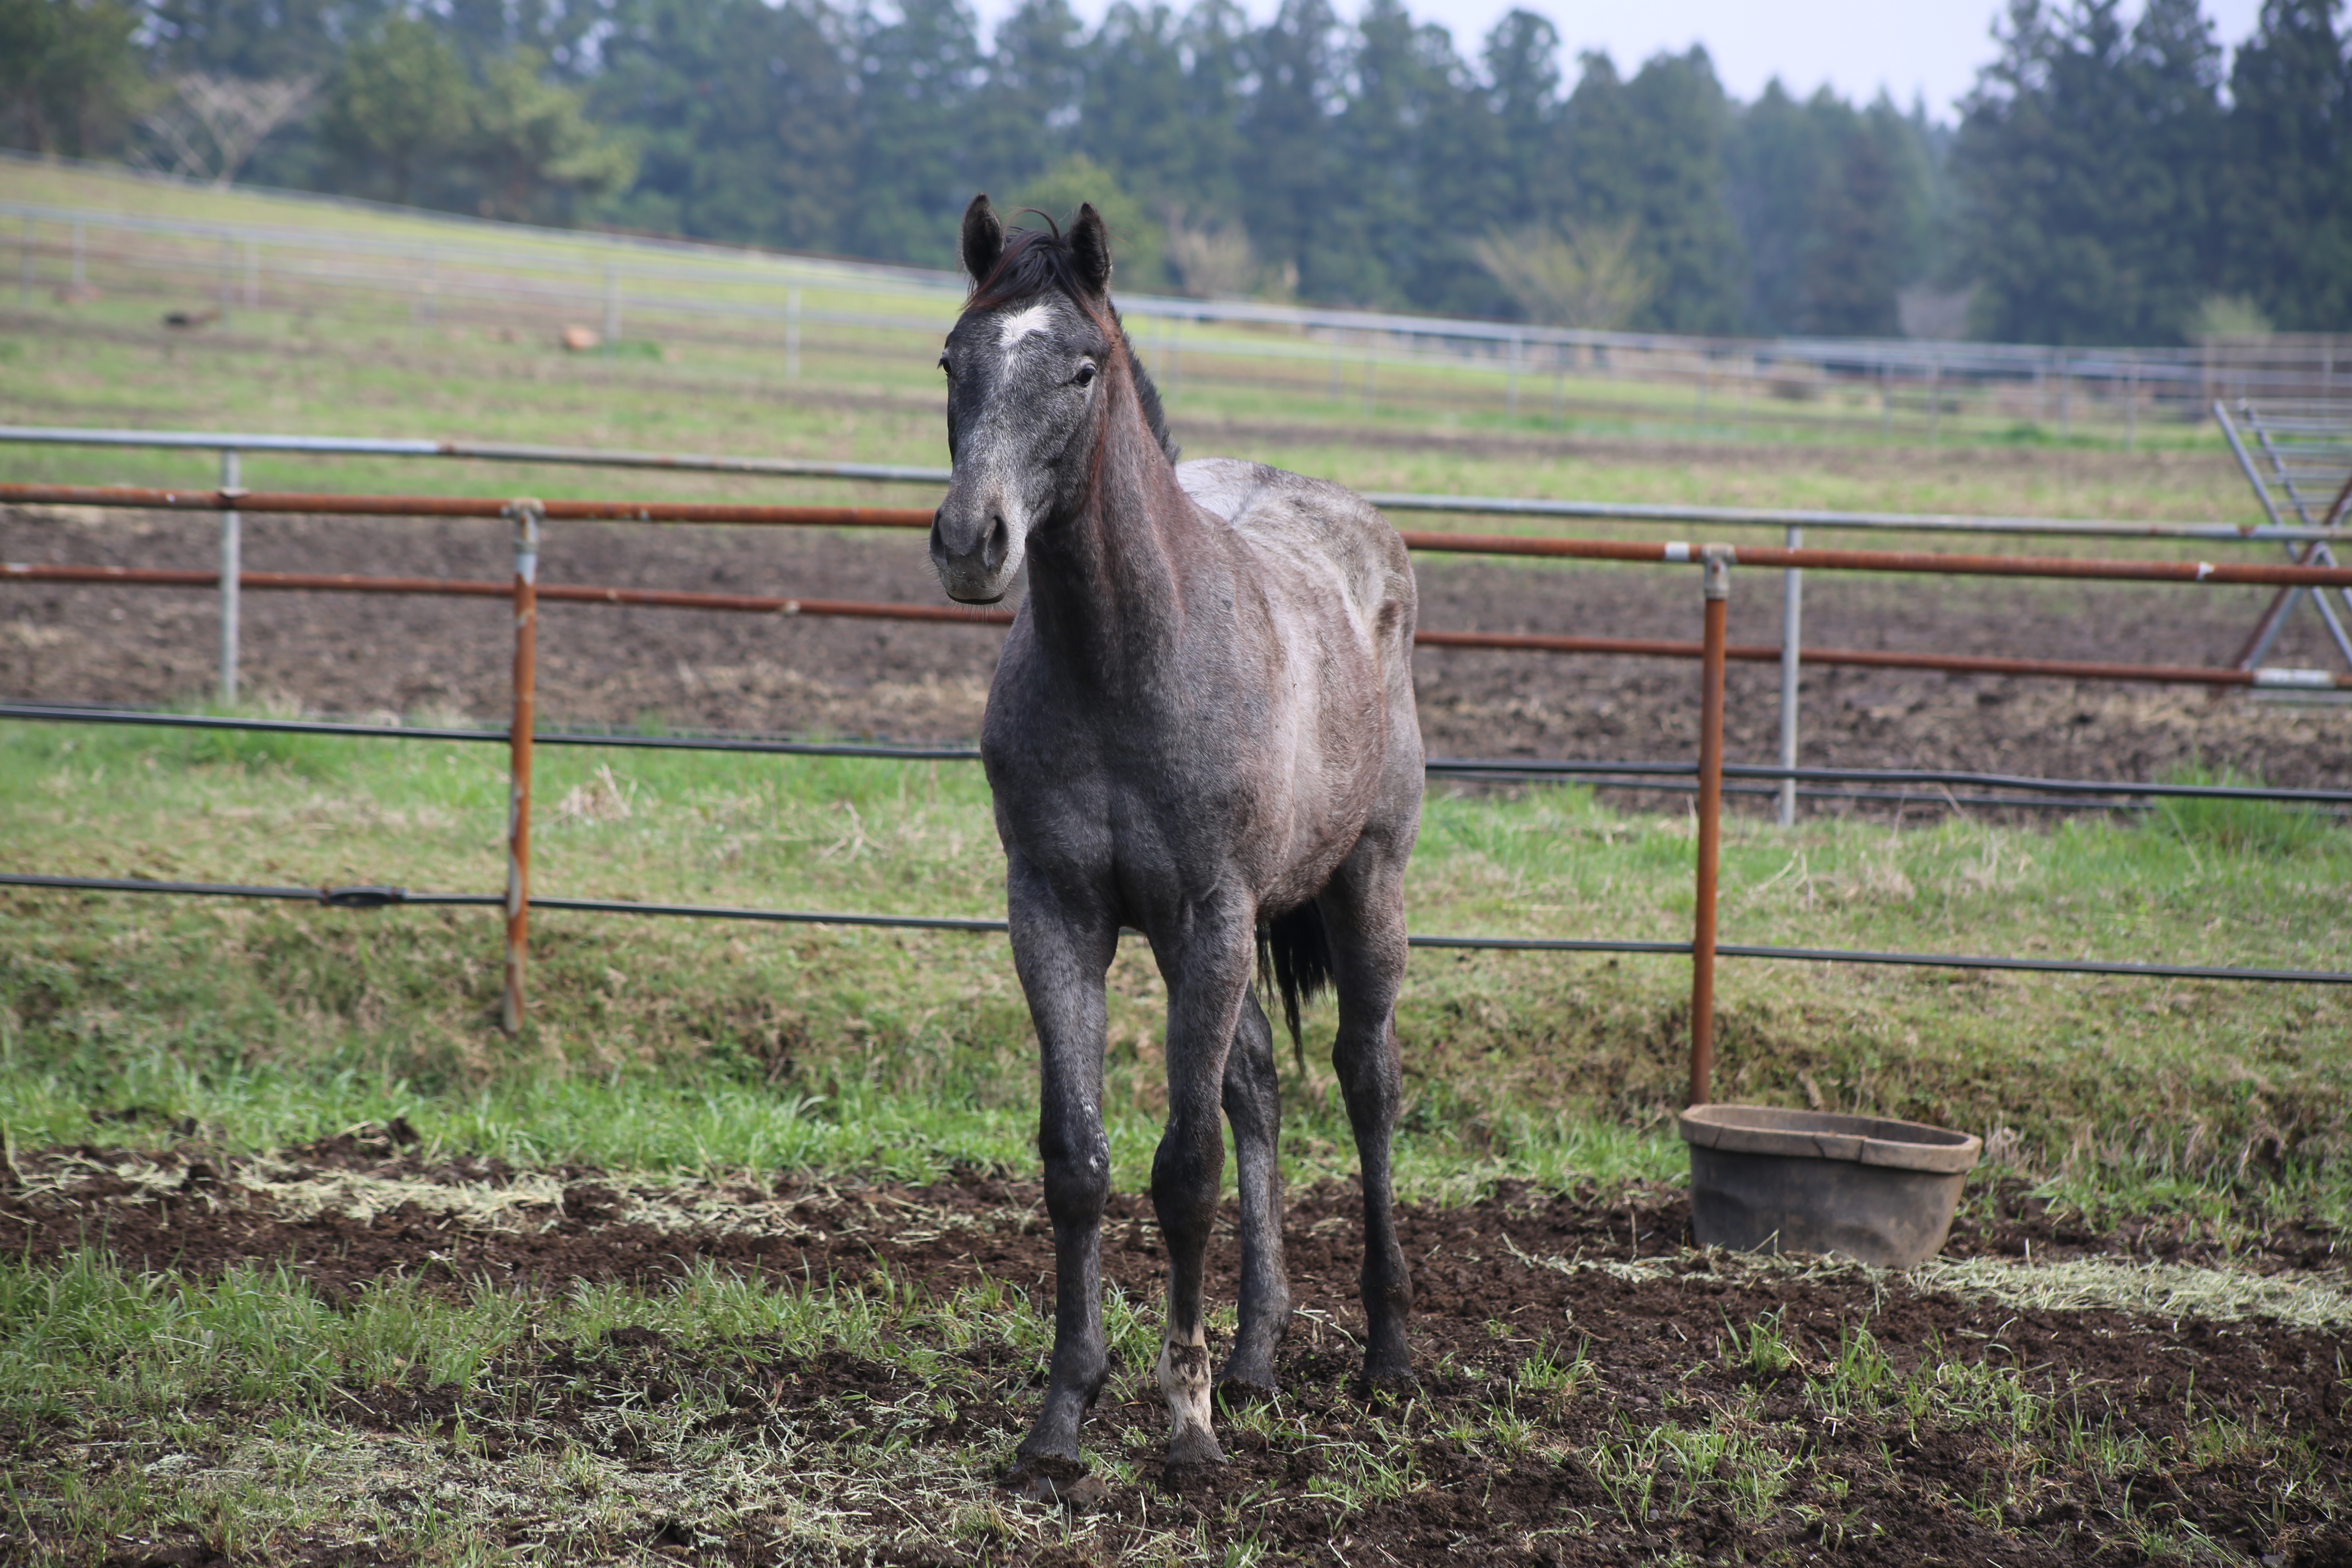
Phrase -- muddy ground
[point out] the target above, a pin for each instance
(353, 654)
(1520, 1280)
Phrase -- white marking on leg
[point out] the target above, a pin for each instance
(1185, 1382)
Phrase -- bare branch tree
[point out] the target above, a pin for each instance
(1588, 276)
(211, 125)
(1211, 261)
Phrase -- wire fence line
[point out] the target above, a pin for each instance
(1371, 358)
(2098, 794)
(376, 895)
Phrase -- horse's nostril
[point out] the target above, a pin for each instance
(1000, 544)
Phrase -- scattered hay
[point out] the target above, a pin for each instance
(2298, 1301)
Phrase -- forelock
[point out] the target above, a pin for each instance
(1034, 262)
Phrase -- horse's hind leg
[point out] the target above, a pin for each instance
(1253, 1108)
(1363, 911)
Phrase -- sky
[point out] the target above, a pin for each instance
(1928, 48)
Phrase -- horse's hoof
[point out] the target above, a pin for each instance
(1047, 1478)
(1193, 1448)
(1386, 1382)
(1239, 1393)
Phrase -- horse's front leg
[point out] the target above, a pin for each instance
(1207, 966)
(1062, 953)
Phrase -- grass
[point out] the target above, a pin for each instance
(694, 1046)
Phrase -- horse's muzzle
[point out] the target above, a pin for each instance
(973, 561)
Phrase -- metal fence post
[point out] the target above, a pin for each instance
(526, 515)
(227, 277)
(1792, 595)
(792, 335)
(232, 569)
(25, 278)
(1717, 587)
(80, 261)
(253, 275)
(612, 307)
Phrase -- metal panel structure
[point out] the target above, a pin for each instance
(2305, 472)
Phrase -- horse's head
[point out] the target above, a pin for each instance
(1030, 367)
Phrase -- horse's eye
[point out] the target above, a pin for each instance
(945, 367)
(1085, 373)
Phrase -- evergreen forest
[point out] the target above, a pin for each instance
(2114, 176)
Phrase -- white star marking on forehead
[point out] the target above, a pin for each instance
(1021, 323)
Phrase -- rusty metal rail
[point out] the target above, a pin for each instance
(140, 498)
(483, 588)
(1503, 642)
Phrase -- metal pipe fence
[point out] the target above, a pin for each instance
(1717, 562)
(1793, 520)
(136, 496)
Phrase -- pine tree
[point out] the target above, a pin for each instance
(1857, 252)
(920, 73)
(1291, 190)
(2086, 156)
(1778, 158)
(745, 114)
(2288, 207)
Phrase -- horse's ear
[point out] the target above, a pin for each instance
(983, 237)
(1090, 247)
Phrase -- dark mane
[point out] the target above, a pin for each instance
(1035, 261)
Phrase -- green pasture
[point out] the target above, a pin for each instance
(394, 363)
(685, 1046)
(874, 397)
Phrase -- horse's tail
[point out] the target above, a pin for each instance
(1294, 957)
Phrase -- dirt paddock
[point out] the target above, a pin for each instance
(1583, 1326)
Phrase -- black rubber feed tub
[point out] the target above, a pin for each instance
(1878, 1191)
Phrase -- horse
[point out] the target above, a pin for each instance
(1201, 727)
